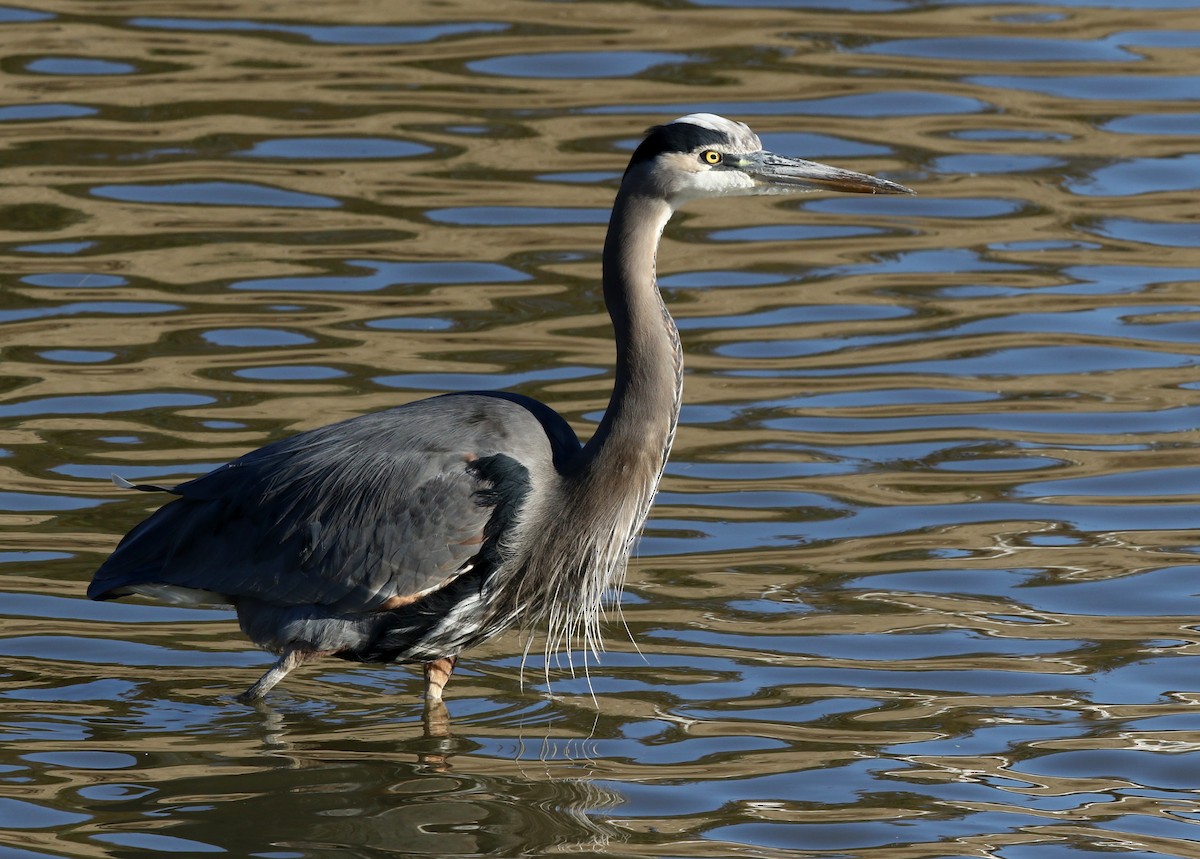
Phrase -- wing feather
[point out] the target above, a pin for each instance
(356, 516)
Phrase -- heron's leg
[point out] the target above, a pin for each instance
(435, 716)
(437, 675)
(436, 719)
(291, 658)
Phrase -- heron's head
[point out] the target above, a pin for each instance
(704, 155)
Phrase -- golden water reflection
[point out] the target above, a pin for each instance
(920, 580)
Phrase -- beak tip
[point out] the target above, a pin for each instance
(890, 187)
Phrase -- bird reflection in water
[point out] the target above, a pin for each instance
(357, 791)
(417, 532)
(361, 784)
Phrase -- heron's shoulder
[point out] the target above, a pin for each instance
(497, 421)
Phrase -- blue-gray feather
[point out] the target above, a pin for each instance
(360, 527)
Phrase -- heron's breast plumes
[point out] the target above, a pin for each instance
(579, 549)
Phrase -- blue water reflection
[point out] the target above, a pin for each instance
(214, 194)
(16, 15)
(378, 34)
(313, 148)
(43, 112)
(600, 64)
(1142, 176)
(382, 275)
(1097, 87)
(78, 66)
(1002, 49)
(901, 103)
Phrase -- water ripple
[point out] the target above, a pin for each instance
(921, 577)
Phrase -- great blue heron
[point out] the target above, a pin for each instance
(413, 533)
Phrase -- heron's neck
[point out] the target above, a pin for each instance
(635, 435)
(577, 538)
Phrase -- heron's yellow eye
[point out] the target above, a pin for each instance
(711, 156)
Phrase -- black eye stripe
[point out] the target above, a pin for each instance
(676, 137)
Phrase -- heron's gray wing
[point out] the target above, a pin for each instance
(377, 509)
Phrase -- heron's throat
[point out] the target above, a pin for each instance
(639, 424)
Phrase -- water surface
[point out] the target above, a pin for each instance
(921, 580)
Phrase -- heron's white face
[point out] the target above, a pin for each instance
(703, 170)
(704, 155)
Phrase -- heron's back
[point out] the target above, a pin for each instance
(329, 532)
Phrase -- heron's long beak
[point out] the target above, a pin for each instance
(777, 171)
